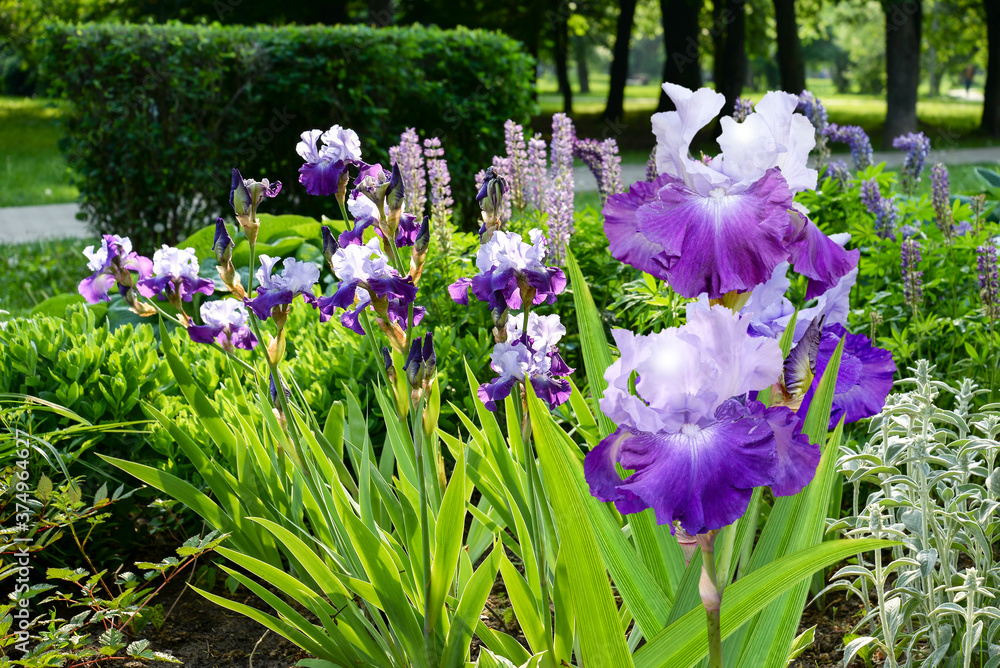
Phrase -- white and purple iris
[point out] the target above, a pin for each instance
(112, 263)
(366, 214)
(697, 445)
(175, 276)
(296, 278)
(724, 224)
(508, 266)
(529, 356)
(225, 323)
(365, 266)
(325, 163)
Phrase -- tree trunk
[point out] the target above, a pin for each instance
(682, 61)
(580, 52)
(991, 104)
(731, 54)
(902, 66)
(615, 108)
(561, 27)
(791, 65)
(380, 13)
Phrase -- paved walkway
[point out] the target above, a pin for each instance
(585, 181)
(58, 221)
(20, 224)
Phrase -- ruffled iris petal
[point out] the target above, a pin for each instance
(626, 243)
(553, 391)
(321, 178)
(864, 379)
(722, 242)
(459, 290)
(498, 390)
(797, 457)
(95, 288)
(702, 478)
(817, 256)
(266, 300)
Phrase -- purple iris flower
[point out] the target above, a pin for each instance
(529, 356)
(697, 445)
(863, 381)
(175, 276)
(245, 195)
(225, 323)
(367, 267)
(325, 164)
(112, 263)
(296, 278)
(366, 214)
(508, 268)
(725, 224)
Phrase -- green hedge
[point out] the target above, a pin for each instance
(161, 113)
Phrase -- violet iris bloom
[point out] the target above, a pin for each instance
(226, 324)
(296, 278)
(325, 164)
(529, 356)
(864, 379)
(245, 195)
(175, 276)
(697, 445)
(366, 214)
(367, 267)
(509, 267)
(112, 263)
(724, 225)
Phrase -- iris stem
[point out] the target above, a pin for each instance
(418, 441)
(711, 597)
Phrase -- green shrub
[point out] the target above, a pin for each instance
(161, 114)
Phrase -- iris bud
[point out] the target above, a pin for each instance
(330, 245)
(414, 364)
(223, 245)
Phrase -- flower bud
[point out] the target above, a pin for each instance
(429, 357)
(490, 198)
(245, 195)
(414, 364)
(223, 245)
(387, 361)
(420, 245)
(394, 194)
(239, 196)
(330, 245)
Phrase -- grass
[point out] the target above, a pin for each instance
(33, 171)
(32, 272)
(949, 122)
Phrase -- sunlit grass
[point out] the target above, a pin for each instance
(32, 170)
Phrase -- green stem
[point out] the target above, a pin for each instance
(711, 598)
(425, 539)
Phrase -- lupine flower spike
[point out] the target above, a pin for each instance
(814, 110)
(940, 198)
(913, 291)
(884, 209)
(517, 161)
(857, 140)
(245, 195)
(410, 158)
(113, 263)
(917, 147)
(440, 188)
(742, 109)
(604, 162)
(989, 281)
(537, 171)
(559, 193)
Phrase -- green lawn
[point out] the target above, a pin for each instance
(949, 122)
(33, 171)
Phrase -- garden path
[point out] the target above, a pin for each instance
(54, 221)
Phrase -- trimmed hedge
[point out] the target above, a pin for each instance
(162, 113)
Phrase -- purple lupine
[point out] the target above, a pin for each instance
(517, 163)
(277, 291)
(559, 194)
(742, 108)
(837, 169)
(441, 200)
(326, 164)
(917, 147)
(604, 162)
(989, 280)
(226, 324)
(410, 158)
(940, 197)
(857, 140)
(175, 276)
(884, 209)
(368, 279)
(651, 172)
(536, 173)
(814, 110)
(963, 228)
(696, 443)
(112, 263)
(913, 290)
(529, 356)
(724, 226)
(510, 268)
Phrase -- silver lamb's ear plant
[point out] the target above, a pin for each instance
(933, 485)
